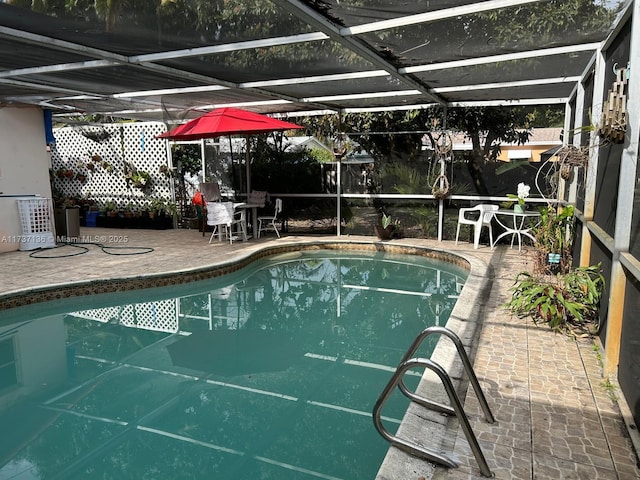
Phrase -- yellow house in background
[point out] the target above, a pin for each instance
(541, 140)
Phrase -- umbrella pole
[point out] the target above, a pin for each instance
(248, 167)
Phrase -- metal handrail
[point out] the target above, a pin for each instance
(468, 368)
(456, 408)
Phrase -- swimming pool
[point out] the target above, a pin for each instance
(268, 372)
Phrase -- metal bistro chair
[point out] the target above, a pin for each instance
(482, 216)
(210, 191)
(268, 222)
(222, 216)
(257, 197)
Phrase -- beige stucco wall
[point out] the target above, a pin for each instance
(24, 166)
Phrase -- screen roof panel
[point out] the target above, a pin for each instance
(143, 58)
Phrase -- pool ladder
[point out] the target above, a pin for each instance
(456, 409)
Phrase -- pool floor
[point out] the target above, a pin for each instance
(233, 396)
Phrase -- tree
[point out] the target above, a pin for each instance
(486, 127)
(186, 159)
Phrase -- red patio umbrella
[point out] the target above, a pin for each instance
(228, 121)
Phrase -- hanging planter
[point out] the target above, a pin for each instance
(440, 189)
(565, 171)
(573, 156)
(136, 178)
(140, 180)
(444, 144)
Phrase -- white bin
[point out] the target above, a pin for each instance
(36, 217)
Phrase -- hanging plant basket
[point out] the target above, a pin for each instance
(444, 144)
(573, 156)
(440, 190)
(565, 171)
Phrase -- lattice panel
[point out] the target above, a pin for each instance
(160, 316)
(104, 315)
(89, 161)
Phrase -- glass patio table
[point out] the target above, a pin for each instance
(516, 224)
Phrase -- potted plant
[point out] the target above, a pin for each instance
(170, 208)
(91, 215)
(129, 210)
(110, 209)
(136, 178)
(523, 192)
(387, 228)
(156, 205)
(554, 240)
(162, 212)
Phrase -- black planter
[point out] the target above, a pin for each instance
(159, 222)
(385, 233)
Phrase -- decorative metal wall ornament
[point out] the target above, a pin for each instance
(613, 122)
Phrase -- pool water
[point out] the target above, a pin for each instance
(267, 373)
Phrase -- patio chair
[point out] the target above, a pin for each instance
(222, 217)
(478, 216)
(268, 222)
(210, 191)
(257, 197)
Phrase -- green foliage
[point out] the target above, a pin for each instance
(109, 206)
(610, 388)
(405, 179)
(321, 155)
(388, 228)
(161, 205)
(276, 169)
(186, 159)
(554, 234)
(385, 220)
(565, 301)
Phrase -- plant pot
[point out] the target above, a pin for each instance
(91, 219)
(517, 208)
(385, 233)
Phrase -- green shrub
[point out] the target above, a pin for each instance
(567, 302)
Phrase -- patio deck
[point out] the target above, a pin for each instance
(555, 418)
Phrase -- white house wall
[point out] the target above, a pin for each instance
(24, 167)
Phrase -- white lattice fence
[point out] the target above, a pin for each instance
(89, 161)
(160, 316)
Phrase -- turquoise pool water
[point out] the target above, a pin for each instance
(267, 373)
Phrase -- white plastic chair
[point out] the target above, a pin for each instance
(222, 216)
(478, 216)
(268, 222)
